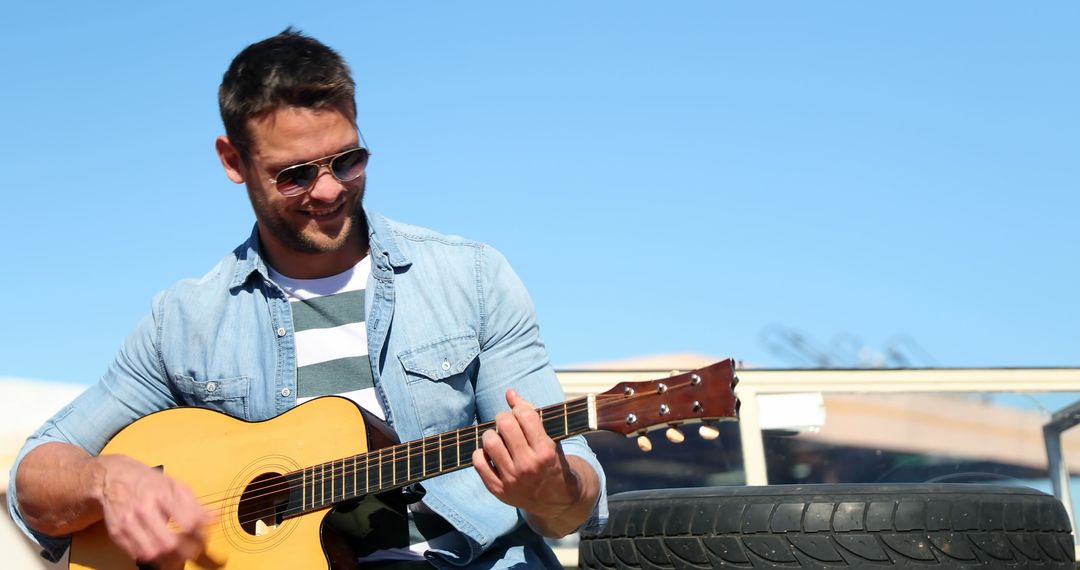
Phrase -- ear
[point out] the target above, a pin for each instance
(231, 159)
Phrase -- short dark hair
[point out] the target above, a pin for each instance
(289, 69)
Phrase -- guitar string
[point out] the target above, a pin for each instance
(380, 459)
(576, 405)
(376, 461)
(387, 455)
(321, 479)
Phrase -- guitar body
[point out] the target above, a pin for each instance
(219, 456)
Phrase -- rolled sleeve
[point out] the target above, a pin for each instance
(514, 356)
(52, 547)
(578, 447)
(133, 386)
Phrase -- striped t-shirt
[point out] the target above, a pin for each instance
(331, 336)
(332, 358)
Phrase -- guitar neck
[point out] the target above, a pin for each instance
(323, 485)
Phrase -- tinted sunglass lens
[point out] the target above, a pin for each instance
(296, 179)
(350, 165)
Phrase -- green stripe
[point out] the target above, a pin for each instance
(328, 311)
(333, 377)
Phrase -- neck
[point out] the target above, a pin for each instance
(381, 470)
(299, 263)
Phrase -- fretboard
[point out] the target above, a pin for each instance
(319, 486)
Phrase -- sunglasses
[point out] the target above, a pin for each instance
(299, 178)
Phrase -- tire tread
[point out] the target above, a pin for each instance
(832, 527)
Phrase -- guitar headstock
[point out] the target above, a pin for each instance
(703, 395)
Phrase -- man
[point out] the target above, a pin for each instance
(432, 332)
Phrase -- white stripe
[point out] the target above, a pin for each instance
(352, 279)
(323, 345)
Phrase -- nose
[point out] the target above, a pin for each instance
(325, 188)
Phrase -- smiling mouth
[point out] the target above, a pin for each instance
(325, 214)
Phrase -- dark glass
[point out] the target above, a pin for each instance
(346, 166)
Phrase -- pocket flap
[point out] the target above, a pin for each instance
(442, 358)
(213, 390)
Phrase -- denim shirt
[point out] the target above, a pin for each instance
(450, 329)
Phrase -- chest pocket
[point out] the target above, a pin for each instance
(439, 376)
(229, 395)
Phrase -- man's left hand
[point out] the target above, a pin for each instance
(523, 467)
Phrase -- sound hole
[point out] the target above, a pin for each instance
(263, 504)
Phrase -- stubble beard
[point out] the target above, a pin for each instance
(307, 239)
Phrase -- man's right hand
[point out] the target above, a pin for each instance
(149, 515)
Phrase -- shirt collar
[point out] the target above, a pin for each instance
(380, 239)
(248, 260)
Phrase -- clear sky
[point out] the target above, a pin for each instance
(665, 176)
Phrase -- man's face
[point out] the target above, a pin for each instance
(322, 219)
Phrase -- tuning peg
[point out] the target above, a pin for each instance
(644, 443)
(708, 432)
(674, 435)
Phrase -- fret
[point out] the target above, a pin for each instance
(385, 471)
(355, 474)
(418, 460)
(341, 475)
(579, 423)
(367, 474)
(379, 486)
(294, 483)
(573, 420)
(447, 441)
(303, 489)
(348, 480)
(433, 456)
(393, 465)
(403, 450)
(423, 458)
(467, 447)
(322, 484)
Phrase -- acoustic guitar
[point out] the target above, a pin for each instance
(269, 484)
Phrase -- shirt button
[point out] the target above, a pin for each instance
(285, 392)
(446, 365)
(281, 331)
(211, 387)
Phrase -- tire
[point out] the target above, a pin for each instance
(832, 527)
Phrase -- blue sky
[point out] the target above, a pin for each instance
(681, 176)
